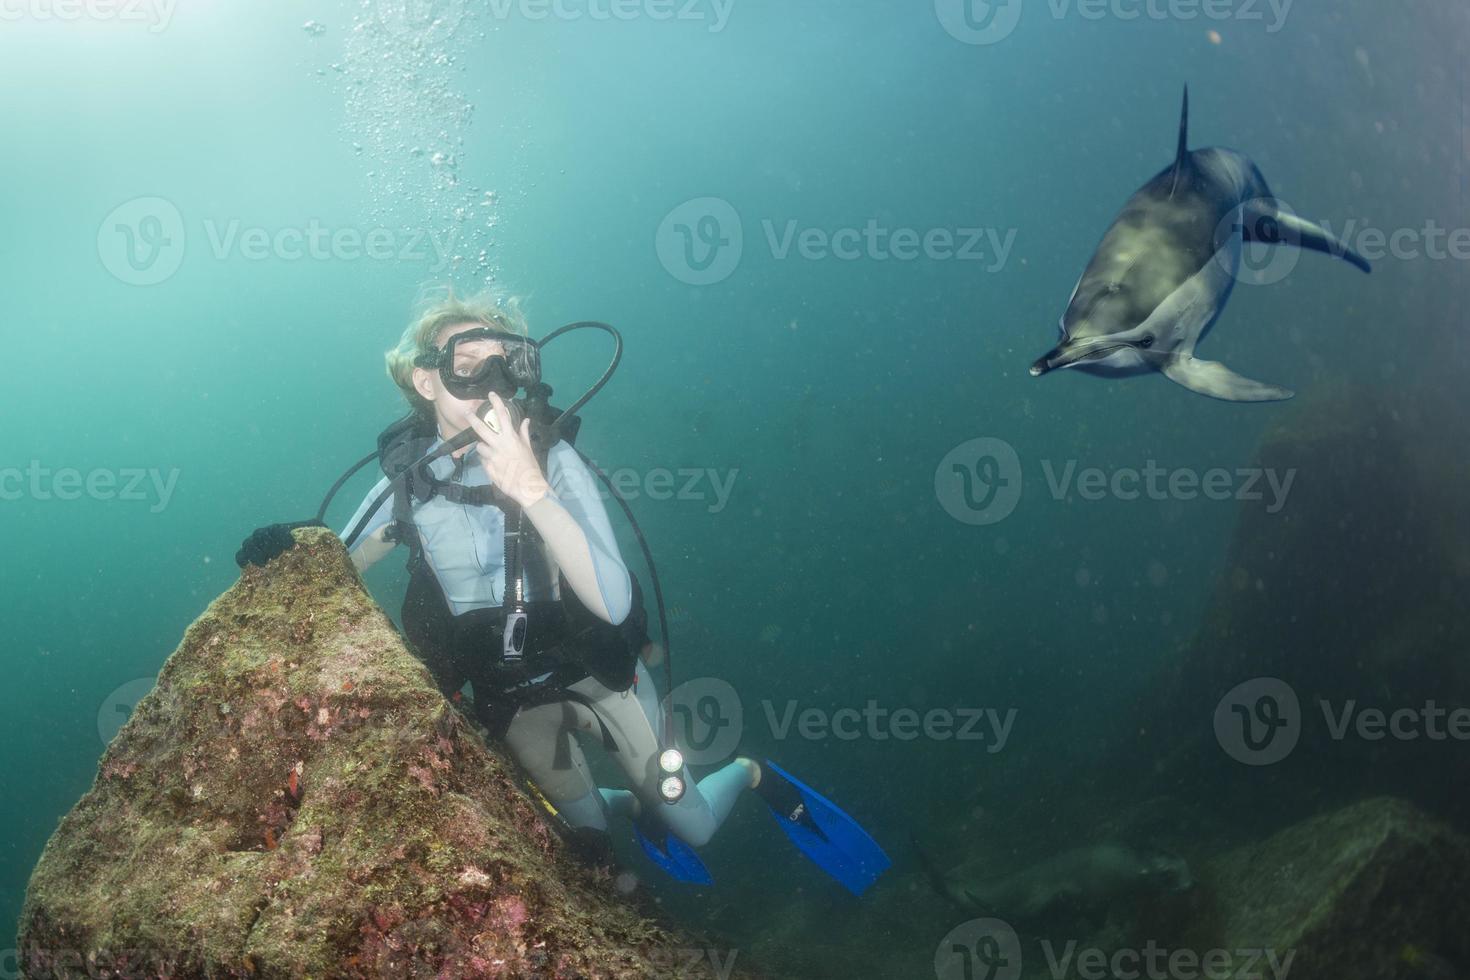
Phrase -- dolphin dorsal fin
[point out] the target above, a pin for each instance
(1181, 155)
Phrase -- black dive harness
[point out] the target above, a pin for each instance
(405, 452)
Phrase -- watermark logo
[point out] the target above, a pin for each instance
(979, 482)
(980, 949)
(700, 241)
(1258, 722)
(1154, 962)
(983, 22)
(157, 14)
(978, 21)
(691, 961)
(874, 241)
(878, 723)
(1267, 253)
(142, 241)
(1430, 722)
(708, 720)
(714, 12)
(687, 484)
(118, 707)
(41, 483)
(429, 20)
(1273, 235)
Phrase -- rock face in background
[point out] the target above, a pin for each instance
(1375, 891)
(1372, 891)
(296, 798)
(1353, 595)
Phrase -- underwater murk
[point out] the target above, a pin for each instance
(730, 488)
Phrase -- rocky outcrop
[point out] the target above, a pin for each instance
(1352, 596)
(1371, 891)
(296, 798)
(1374, 891)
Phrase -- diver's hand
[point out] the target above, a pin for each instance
(269, 542)
(507, 457)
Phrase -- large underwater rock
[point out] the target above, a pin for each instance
(1353, 597)
(1374, 891)
(296, 798)
(1370, 891)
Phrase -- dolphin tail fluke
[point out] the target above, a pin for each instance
(936, 876)
(1181, 155)
(1215, 380)
(1267, 221)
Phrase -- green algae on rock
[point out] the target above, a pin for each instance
(1373, 891)
(296, 798)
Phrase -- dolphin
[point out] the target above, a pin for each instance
(1165, 268)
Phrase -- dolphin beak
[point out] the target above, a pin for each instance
(1045, 363)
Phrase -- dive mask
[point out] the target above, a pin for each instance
(476, 362)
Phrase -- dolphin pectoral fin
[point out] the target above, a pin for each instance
(1265, 221)
(1215, 380)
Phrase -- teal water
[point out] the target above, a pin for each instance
(826, 390)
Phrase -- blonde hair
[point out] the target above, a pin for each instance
(422, 335)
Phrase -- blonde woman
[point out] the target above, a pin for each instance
(513, 488)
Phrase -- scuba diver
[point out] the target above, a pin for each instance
(518, 589)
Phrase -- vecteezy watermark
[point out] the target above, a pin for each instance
(118, 707)
(692, 962)
(1155, 962)
(1259, 722)
(709, 722)
(143, 241)
(980, 949)
(989, 949)
(696, 484)
(1243, 483)
(876, 242)
(980, 482)
(992, 21)
(701, 241)
(879, 723)
(38, 482)
(681, 962)
(714, 13)
(1272, 239)
(156, 14)
(708, 719)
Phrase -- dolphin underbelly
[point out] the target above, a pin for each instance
(1121, 362)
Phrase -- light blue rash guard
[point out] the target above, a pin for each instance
(464, 545)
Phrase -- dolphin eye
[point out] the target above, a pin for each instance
(1147, 341)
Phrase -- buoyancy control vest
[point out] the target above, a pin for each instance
(565, 641)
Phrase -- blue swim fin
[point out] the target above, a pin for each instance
(821, 831)
(675, 857)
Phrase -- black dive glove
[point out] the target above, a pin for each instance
(269, 542)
